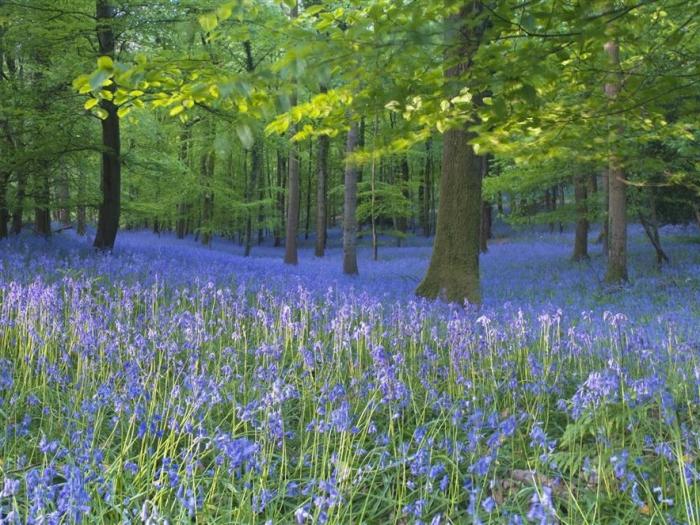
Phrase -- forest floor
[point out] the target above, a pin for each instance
(171, 381)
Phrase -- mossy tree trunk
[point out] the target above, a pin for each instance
(453, 273)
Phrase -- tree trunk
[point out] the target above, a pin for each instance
(255, 175)
(321, 194)
(350, 205)
(307, 215)
(604, 228)
(80, 212)
(206, 173)
(651, 228)
(4, 212)
(183, 154)
(281, 208)
(454, 266)
(64, 212)
(485, 222)
(426, 189)
(42, 213)
(581, 239)
(290, 242)
(617, 206)
(697, 214)
(18, 209)
(108, 216)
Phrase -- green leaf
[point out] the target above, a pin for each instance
(91, 103)
(208, 22)
(123, 111)
(106, 63)
(98, 79)
(246, 135)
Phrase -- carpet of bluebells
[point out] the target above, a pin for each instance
(171, 383)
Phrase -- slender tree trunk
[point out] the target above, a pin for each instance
(604, 228)
(373, 193)
(307, 215)
(4, 212)
(207, 173)
(281, 207)
(255, 176)
(651, 228)
(485, 223)
(697, 214)
(64, 211)
(321, 194)
(426, 189)
(80, 211)
(42, 213)
(617, 207)
(581, 239)
(18, 208)
(454, 266)
(350, 205)
(183, 154)
(290, 242)
(108, 217)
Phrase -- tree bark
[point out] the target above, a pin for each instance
(293, 196)
(255, 175)
(426, 189)
(350, 205)
(307, 215)
(18, 209)
(321, 194)
(108, 216)
(4, 212)
(207, 173)
(454, 266)
(42, 213)
(617, 206)
(581, 238)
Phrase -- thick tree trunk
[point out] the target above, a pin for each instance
(321, 194)
(108, 216)
(581, 239)
(350, 205)
(454, 266)
(617, 206)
